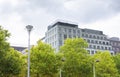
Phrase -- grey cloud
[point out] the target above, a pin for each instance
(94, 11)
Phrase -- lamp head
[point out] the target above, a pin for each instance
(29, 27)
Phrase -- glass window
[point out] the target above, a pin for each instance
(78, 31)
(92, 52)
(90, 36)
(96, 42)
(97, 37)
(105, 48)
(88, 41)
(102, 47)
(94, 47)
(69, 30)
(65, 36)
(92, 41)
(74, 31)
(98, 47)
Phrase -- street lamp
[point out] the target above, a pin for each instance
(29, 28)
(63, 59)
(94, 72)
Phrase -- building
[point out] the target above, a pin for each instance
(59, 31)
(115, 43)
(19, 48)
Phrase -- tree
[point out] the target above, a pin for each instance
(4, 47)
(106, 66)
(13, 63)
(44, 61)
(117, 62)
(77, 60)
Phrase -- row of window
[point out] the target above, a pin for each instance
(66, 30)
(93, 52)
(50, 32)
(97, 42)
(51, 38)
(115, 44)
(94, 36)
(99, 47)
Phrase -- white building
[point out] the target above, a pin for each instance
(59, 31)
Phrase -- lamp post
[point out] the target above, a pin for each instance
(29, 28)
(63, 59)
(94, 72)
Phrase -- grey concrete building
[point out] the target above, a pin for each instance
(59, 31)
(115, 43)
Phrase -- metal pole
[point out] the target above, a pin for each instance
(60, 73)
(28, 53)
(94, 69)
(29, 28)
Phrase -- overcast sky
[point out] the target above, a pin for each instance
(101, 15)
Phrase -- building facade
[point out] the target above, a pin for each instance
(59, 31)
(115, 43)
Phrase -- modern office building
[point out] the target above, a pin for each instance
(59, 31)
(19, 48)
(115, 43)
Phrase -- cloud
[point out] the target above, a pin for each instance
(82, 10)
(16, 14)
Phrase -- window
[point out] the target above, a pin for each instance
(103, 43)
(90, 46)
(92, 52)
(99, 42)
(105, 48)
(92, 41)
(69, 30)
(94, 37)
(109, 48)
(65, 30)
(102, 47)
(97, 37)
(60, 35)
(107, 43)
(94, 47)
(60, 42)
(88, 41)
(74, 31)
(98, 47)
(65, 36)
(86, 35)
(78, 31)
(82, 35)
(90, 36)
(96, 42)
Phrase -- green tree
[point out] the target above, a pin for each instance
(4, 47)
(117, 61)
(44, 61)
(77, 60)
(13, 63)
(106, 66)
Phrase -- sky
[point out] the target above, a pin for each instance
(15, 15)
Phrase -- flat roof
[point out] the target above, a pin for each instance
(63, 23)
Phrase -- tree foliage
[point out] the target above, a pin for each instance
(10, 60)
(106, 66)
(44, 62)
(77, 60)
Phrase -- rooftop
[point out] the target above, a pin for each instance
(61, 23)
